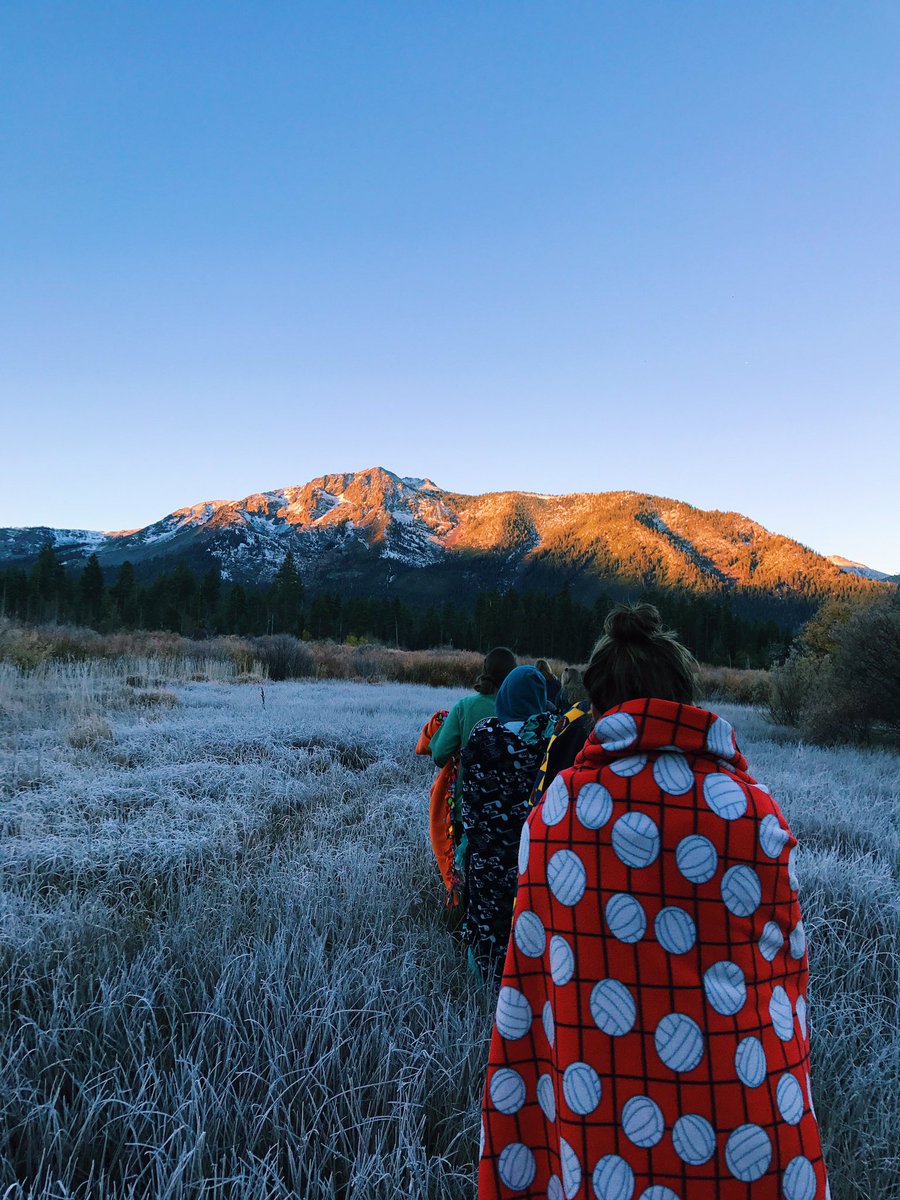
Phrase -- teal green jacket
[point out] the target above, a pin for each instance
(458, 724)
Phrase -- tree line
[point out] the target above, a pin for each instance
(198, 604)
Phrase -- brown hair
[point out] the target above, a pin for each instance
(637, 658)
(497, 665)
(573, 688)
(545, 669)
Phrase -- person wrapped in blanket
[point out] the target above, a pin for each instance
(651, 1036)
(443, 737)
(499, 762)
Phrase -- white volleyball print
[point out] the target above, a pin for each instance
(642, 1121)
(617, 731)
(679, 1042)
(675, 930)
(517, 1166)
(801, 1015)
(613, 1179)
(524, 848)
(571, 1169)
(581, 1088)
(748, 1153)
(594, 805)
(797, 940)
(627, 768)
(750, 1062)
(554, 1188)
(635, 839)
(548, 1022)
(696, 858)
(720, 738)
(481, 1139)
(673, 775)
(724, 796)
(625, 918)
(789, 1097)
(770, 940)
(612, 1007)
(725, 987)
(772, 838)
(529, 934)
(780, 1014)
(799, 1179)
(507, 1090)
(567, 877)
(657, 1191)
(514, 1015)
(562, 960)
(546, 1098)
(741, 891)
(555, 803)
(793, 877)
(694, 1139)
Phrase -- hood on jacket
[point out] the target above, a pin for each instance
(640, 728)
(522, 694)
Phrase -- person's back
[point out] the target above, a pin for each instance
(445, 747)
(569, 735)
(571, 689)
(499, 762)
(458, 725)
(653, 1013)
(552, 682)
(467, 712)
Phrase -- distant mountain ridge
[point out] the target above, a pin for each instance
(857, 568)
(376, 531)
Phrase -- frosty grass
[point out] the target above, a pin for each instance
(224, 969)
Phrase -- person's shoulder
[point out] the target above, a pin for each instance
(462, 709)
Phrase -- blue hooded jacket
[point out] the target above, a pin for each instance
(522, 694)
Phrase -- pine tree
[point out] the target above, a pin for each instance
(91, 591)
(287, 598)
(123, 594)
(47, 586)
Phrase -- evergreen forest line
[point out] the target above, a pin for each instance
(533, 623)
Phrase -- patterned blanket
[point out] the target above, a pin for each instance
(651, 1037)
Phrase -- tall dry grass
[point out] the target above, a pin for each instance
(281, 656)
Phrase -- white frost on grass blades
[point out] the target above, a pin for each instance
(230, 935)
(233, 936)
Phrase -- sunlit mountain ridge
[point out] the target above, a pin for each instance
(374, 531)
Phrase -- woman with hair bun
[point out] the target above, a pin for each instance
(651, 1033)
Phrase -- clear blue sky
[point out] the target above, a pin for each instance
(558, 247)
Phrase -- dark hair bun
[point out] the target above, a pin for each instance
(633, 623)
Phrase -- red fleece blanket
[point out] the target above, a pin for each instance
(651, 1037)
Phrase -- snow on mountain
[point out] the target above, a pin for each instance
(364, 530)
(855, 568)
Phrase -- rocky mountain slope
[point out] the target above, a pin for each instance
(373, 531)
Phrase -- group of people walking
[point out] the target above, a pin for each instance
(630, 890)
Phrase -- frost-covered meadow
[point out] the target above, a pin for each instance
(224, 970)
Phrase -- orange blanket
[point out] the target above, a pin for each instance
(441, 811)
(651, 1037)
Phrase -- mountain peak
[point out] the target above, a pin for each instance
(364, 531)
(856, 568)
